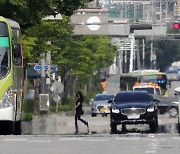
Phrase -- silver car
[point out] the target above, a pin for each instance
(101, 104)
(173, 75)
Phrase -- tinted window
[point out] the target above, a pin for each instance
(103, 97)
(172, 72)
(132, 97)
(3, 29)
(148, 90)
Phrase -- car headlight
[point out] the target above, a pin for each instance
(6, 100)
(94, 105)
(114, 110)
(150, 109)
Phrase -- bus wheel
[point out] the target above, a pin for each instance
(18, 129)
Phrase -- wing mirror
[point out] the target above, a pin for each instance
(156, 101)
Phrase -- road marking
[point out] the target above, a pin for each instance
(176, 138)
(15, 140)
(152, 148)
(97, 140)
(40, 141)
(151, 151)
(128, 138)
(72, 139)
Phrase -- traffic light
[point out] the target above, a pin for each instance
(176, 25)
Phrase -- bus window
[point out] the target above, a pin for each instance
(3, 29)
(126, 83)
(17, 54)
(4, 56)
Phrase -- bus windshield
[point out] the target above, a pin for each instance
(128, 80)
(4, 50)
(153, 78)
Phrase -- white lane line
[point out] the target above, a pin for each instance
(152, 148)
(176, 138)
(40, 141)
(151, 151)
(127, 138)
(15, 140)
(97, 140)
(71, 139)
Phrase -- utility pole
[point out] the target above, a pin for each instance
(143, 54)
(132, 52)
(43, 76)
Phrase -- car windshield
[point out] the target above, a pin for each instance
(132, 97)
(103, 97)
(172, 72)
(148, 90)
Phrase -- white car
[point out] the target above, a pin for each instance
(101, 104)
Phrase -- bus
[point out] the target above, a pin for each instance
(11, 77)
(128, 80)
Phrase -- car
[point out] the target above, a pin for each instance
(177, 95)
(150, 88)
(168, 105)
(134, 107)
(101, 104)
(173, 75)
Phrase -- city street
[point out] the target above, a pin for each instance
(55, 134)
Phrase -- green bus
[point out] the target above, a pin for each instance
(11, 76)
(127, 80)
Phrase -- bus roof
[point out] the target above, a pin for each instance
(143, 72)
(13, 24)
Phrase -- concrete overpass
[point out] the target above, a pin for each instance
(96, 22)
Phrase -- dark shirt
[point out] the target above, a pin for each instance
(79, 108)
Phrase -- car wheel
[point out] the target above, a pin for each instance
(178, 125)
(124, 128)
(173, 112)
(153, 126)
(93, 115)
(113, 128)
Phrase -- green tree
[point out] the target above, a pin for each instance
(167, 52)
(31, 12)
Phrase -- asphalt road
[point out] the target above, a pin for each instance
(55, 134)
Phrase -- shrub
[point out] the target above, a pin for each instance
(29, 105)
(27, 116)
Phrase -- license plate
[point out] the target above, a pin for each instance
(104, 109)
(133, 116)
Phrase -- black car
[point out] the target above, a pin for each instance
(134, 107)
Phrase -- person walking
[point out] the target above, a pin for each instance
(79, 112)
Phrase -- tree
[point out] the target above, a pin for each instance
(167, 52)
(31, 12)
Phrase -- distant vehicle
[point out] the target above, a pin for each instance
(173, 75)
(168, 105)
(127, 80)
(101, 104)
(134, 107)
(150, 88)
(177, 94)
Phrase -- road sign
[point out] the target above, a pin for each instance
(53, 69)
(46, 67)
(37, 67)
